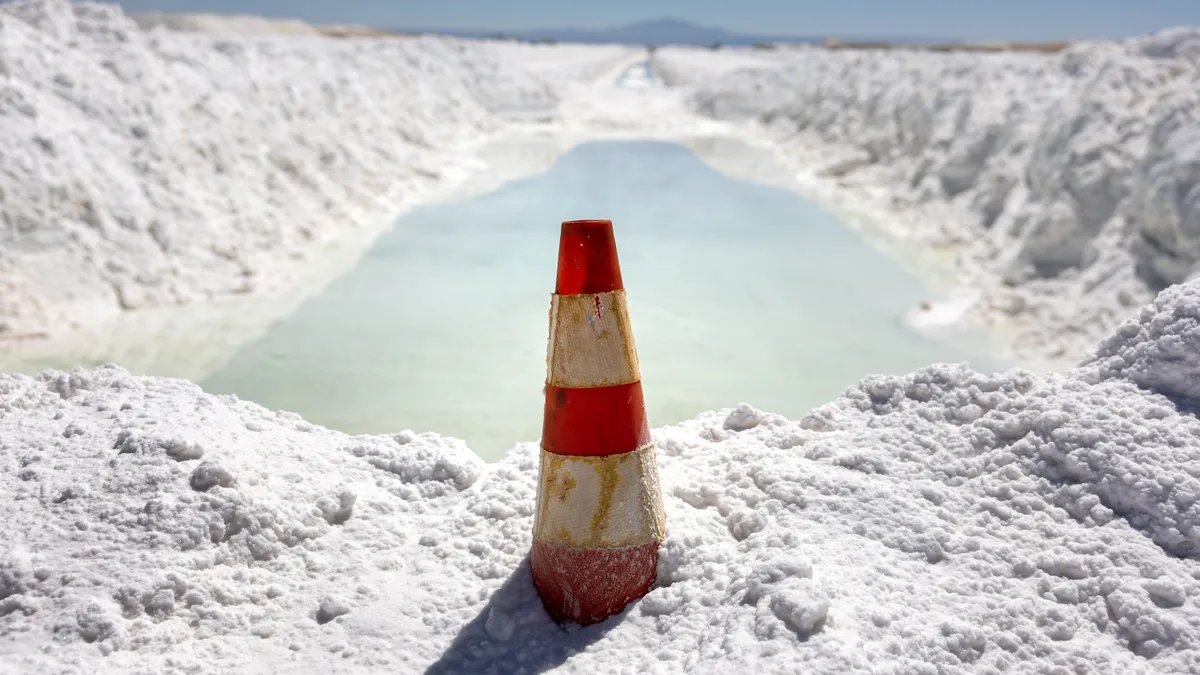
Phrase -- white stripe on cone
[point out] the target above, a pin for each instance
(599, 502)
(591, 341)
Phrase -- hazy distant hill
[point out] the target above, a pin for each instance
(657, 32)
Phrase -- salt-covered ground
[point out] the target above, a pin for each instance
(943, 521)
(1068, 184)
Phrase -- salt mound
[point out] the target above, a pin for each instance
(940, 521)
(1159, 349)
(153, 169)
(223, 24)
(1069, 182)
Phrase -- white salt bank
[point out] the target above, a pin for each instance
(940, 521)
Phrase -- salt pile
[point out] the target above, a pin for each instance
(143, 169)
(1070, 183)
(226, 24)
(943, 521)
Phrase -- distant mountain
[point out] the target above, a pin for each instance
(657, 32)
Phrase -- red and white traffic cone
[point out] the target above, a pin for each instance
(600, 516)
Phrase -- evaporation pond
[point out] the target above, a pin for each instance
(737, 293)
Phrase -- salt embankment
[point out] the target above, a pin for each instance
(1068, 184)
(155, 168)
(943, 520)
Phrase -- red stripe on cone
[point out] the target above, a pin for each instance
(587, 258)
(595, 422)
(588, 585)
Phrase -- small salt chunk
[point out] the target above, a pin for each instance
(332, 607)
(336, 513)
(779, 570)
(743, 418)
(209, 475)
(1101, 515)
(802, 608)
(1165, 593)
(182, 450)
(161, 603)
(499, 626)
(660, 603)
(744, 522)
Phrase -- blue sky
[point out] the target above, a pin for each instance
(967, 19)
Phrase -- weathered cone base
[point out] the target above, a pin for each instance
(586, 586)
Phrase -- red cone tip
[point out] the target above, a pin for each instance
(587, 258)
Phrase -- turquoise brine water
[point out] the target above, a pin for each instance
(737, 292)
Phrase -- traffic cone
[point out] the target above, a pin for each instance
(600, 516)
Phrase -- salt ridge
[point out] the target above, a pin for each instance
(150, 169)
(1068, 184)
(944, 520)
